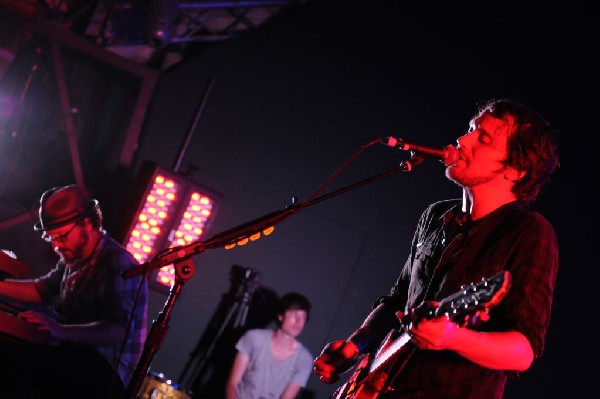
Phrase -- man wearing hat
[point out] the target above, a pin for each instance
(95, 311)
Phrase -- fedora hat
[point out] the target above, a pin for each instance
(60, 206)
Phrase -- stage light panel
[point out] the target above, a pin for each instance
(172, 211)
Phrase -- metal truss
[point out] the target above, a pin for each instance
(147, 30)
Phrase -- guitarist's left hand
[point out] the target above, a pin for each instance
(435, 334)
(439, 332)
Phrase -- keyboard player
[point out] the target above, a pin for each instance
(99, 319)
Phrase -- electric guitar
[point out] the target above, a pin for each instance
(374, 373)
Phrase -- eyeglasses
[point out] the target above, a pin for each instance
(58, 238)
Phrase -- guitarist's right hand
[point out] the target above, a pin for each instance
(336, 358)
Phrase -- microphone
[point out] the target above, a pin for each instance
(448, 154)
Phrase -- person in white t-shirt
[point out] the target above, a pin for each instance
(273, 364)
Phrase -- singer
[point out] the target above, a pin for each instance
(508, 153)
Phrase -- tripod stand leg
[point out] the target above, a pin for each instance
(204, 349)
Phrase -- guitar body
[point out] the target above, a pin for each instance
(374, 373)
(359, 386)
(371, 376)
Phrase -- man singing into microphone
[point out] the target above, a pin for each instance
(506, 156)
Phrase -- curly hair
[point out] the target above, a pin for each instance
(532, 146)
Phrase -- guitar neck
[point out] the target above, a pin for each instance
(388, 350)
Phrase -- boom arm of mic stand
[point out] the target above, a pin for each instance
(405, 166)
(232, 235)
(249, 228)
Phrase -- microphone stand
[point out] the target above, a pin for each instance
(184, 270)
(180, 257)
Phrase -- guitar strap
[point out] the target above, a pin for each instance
(460, 262)
(464, 262)
(455, 233)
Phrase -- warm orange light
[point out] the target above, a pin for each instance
(165, 280)
(268, 230)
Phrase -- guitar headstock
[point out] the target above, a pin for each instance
(474, 298)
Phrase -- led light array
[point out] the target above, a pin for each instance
(190, 229)
(161, 221)
(152, 218)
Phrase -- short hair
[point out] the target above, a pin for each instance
(294, 301)
(532, 146)
(96, 217)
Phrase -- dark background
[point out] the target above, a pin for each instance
(287, 106)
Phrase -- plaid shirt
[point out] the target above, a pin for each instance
(94, 291)
(443, 257)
